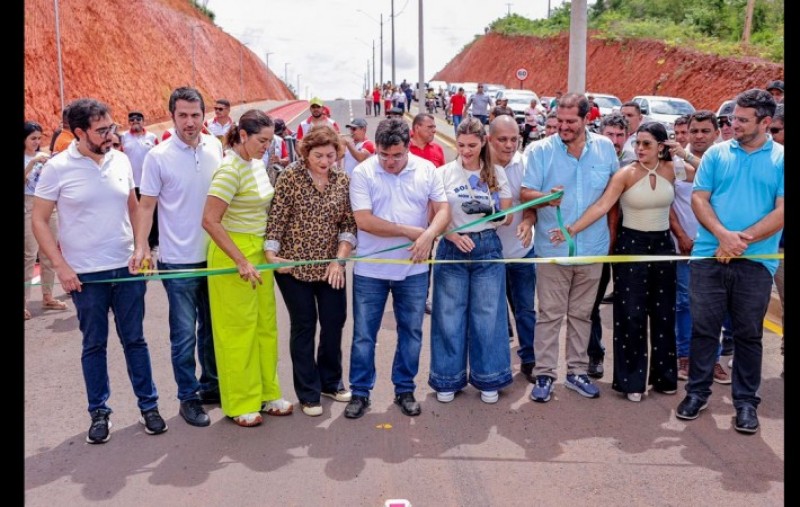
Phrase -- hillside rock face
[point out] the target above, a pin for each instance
(625, 69)
(131, 55)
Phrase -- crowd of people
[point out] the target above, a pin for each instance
(628, 190)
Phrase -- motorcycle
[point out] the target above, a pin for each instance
(530, 133)
(430, 105)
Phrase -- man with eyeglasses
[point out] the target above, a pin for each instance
(390, 195)
(176, 178)
(222, 121)
(702, 134)
(136, 142)
(92, 185)
(738, 198)
(317, 117)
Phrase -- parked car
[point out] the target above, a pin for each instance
(663, 109)
(607, 103)
(726, 108)
(518, 101)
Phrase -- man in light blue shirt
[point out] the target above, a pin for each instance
(581, 163)
(738, 200)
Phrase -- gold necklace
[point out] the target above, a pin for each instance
(648, 169)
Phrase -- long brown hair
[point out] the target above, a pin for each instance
(475, 127)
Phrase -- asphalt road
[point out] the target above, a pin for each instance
(570, 451)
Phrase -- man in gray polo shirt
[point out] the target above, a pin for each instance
(481, 104)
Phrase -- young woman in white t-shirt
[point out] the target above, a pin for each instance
(469, 328)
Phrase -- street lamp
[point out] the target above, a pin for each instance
(373, 57)
(297, 91)
(267, 60)
(286, 73)
(60, 67)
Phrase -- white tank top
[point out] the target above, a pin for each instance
(645, 208)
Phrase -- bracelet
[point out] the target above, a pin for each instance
(341, 262)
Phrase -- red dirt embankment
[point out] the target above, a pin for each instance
(131, 55)
(622, 68)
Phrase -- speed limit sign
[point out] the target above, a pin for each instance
(522, 74)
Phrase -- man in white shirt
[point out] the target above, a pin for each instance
(136, 142)
(517, 240)
(176, 177)
(357, 147)
(390, 195)
(92, 185)
(222, 121)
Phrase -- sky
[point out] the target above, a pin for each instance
(328, 43)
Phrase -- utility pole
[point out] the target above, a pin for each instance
(509, 8)
(381, 48)
(373, 63)
(576, 79)
(61, 67)
(268, 53)
(548, 9)
(298, 86)
(286, 73)
(748, 21)
(393, 81)
(421, 76)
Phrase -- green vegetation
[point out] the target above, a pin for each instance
(710, 26)
(205, 10)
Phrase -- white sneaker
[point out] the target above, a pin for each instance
(490, 396)
(277, 407)
(445, 396)
(312, 409)
(635, 397)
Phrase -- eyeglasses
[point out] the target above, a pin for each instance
(775, 130)
(397, 157)
(106, 131)
(135, 118)
(216, 108)
(725, 120)
(645, 144)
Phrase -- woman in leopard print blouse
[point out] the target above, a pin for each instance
(311, 219)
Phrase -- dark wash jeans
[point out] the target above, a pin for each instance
(308, 302)
(741, 288)
(369, 301)
(126, 301)
(190, 328)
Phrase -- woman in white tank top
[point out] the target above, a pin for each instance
(644, 292)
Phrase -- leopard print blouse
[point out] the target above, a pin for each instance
(305, 223)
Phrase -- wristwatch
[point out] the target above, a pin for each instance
(342, 262)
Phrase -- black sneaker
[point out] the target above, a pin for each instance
(408, 405)
(356, 407)
(193, 413)
(153, 422)
(527, 370)
(98, 431)
(595, 369)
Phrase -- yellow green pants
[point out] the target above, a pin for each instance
(245, 330)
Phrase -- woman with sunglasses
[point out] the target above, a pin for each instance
(644, 291)
(469, 320)
(34, 162)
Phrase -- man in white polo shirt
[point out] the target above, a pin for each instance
(92, 185)
(136, 142)
(176, 176)
(390, 195)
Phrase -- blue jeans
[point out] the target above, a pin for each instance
(469, 323)
(190, 327)
(369, 300)
(741, 289)
(520, 289)
(456, 122)
(484, 118)
(683, 314)
(596, 349)
(126, 301)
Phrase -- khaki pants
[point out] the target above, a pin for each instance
(564, 291)
(32, 249)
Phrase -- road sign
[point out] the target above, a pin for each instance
(522, 74)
